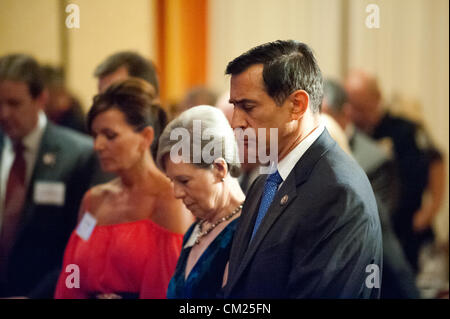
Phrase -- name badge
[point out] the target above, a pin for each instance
(49, 193)
(86, 226)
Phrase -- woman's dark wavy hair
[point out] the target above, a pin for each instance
(134, 98)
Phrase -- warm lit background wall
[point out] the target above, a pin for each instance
(38, 27)
(31, 27)
(106, 26)
(409, 52)
(236, 26)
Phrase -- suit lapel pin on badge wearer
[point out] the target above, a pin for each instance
(49, 159)
(284, 199)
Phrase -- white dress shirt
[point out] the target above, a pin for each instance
(286, 165)
(31, 143)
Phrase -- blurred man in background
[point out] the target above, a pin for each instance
(122, 65)
(44, 171)
(198, 95)
(62, 107)
(398, 278)
(419, 164)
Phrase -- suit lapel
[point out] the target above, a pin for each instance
(276, 208)
(47, 156)
(48, 145)
(280, 203)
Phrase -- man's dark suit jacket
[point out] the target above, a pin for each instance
(67, 157)
(317, 244)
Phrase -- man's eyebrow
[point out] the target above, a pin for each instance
(241, 101)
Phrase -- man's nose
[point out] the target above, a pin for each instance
(238, 119)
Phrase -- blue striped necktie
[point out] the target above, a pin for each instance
(270, 189)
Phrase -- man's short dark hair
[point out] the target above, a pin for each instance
(287, 66)
(23, 68)
(136, 65)
(335, 95)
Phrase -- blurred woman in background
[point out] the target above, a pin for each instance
(130, 232)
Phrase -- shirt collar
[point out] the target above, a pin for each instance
(31, 142)
(286, 165)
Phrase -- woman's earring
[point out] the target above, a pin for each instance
(223, 179)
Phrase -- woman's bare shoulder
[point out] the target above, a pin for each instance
(165, 187)
(96, 195)
(171, 212)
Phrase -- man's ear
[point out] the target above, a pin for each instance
(220, 168)
(149, 134)
(42, 99)
(300, 102)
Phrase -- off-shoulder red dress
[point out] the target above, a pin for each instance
(130, 259)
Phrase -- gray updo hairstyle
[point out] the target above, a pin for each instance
(219, 130)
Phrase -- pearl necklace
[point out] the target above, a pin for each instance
(210, 228)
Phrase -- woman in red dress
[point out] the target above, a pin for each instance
(130, 231)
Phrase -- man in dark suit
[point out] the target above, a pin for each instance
(44, 171)
(311, 228)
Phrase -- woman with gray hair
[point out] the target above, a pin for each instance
(203, 165)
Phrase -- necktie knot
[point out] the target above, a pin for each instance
(275, 178)
(18, 148)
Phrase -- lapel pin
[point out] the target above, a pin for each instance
(49, 159)
(284, 199)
